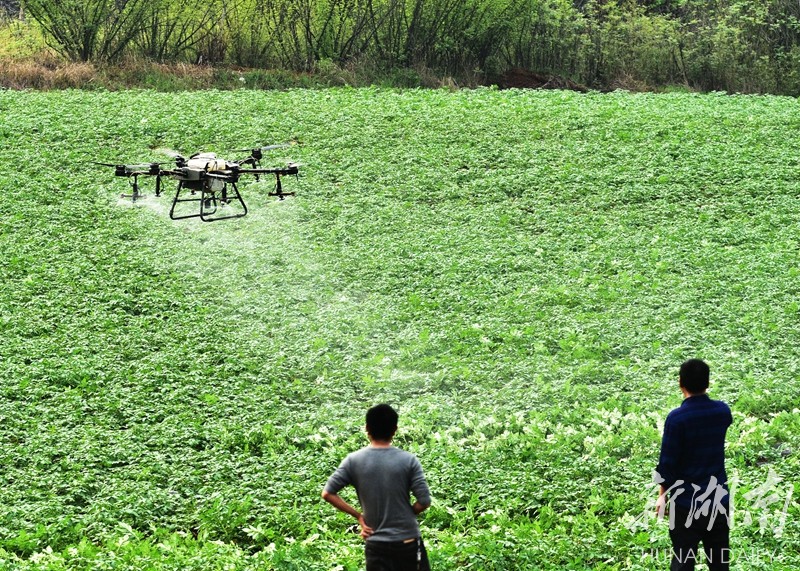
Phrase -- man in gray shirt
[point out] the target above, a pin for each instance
(384, 477)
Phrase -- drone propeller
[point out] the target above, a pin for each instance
(266, 148)
(130, 165)
(169, 152)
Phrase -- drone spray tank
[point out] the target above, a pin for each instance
(207, 162)
(195, 171)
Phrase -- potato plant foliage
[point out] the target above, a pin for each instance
(519, 272)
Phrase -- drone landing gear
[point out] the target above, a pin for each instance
(210, 201)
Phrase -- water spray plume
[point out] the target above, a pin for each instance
(169, 152)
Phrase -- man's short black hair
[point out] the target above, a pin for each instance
(694, 376)
(382, 422)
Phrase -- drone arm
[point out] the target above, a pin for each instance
(292, 169)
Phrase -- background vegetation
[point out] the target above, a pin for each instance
(520, 272)
(729, 45)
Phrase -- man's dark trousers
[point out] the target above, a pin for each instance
(685, 540)
(396, 556)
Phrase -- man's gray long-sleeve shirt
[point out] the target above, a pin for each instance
(383, 479)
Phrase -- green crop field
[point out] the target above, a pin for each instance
(521, 273)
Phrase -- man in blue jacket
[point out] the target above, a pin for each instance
(384, 478)
(692, 473)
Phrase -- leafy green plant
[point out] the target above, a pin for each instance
(519, 272)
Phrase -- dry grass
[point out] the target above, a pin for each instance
(626, 82)
(160, 76)
(49, 72)
(45, 73)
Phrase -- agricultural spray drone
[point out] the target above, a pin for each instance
(207, 182)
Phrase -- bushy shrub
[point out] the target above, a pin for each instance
(729, 45)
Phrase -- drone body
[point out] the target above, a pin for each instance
(207, 185)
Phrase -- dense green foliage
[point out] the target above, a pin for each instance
(731, 45)
(521, 273)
